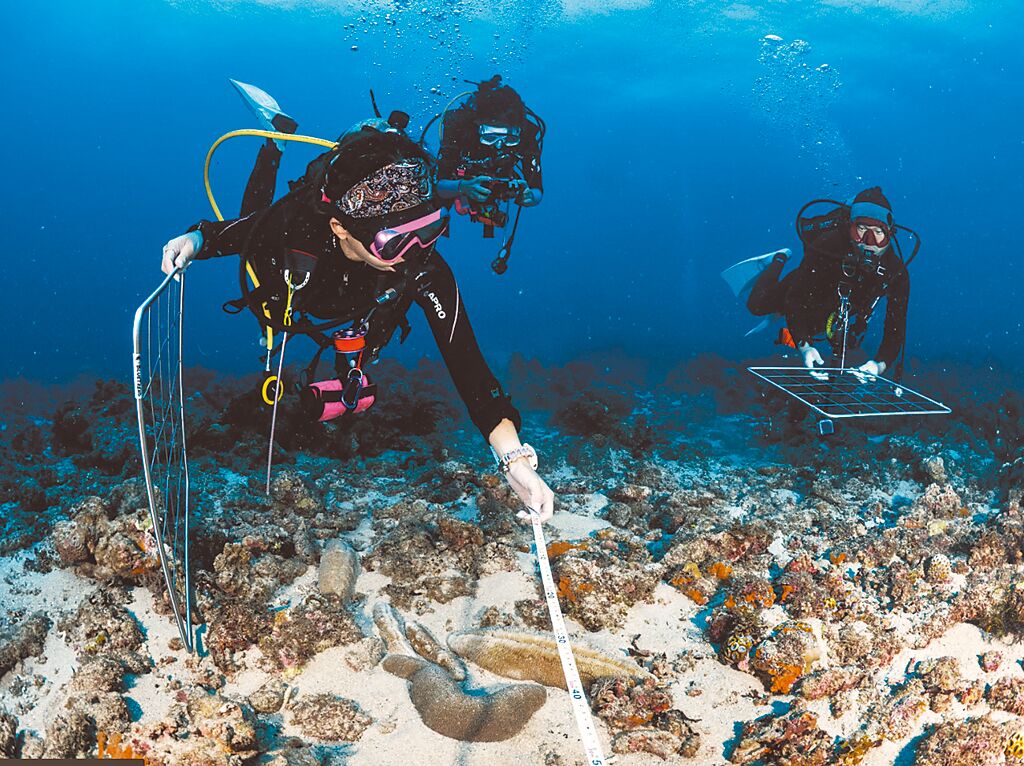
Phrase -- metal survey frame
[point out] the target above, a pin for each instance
(183, 618)
(825, 426)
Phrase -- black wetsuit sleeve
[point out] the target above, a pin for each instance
(895, 332)
(224, 237)
(487, 402)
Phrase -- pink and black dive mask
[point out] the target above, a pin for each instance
(390, 209)
(393, 243)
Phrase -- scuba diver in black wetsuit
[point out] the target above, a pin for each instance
(352, 244)
(490, 157)
(851, 261)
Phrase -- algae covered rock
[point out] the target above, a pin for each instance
(229, 724)
(329, 718)
(70, 734)
(793, 737)
(318, 623)
(269, 698)
(24, 641)
(8, 735)
(974, 742)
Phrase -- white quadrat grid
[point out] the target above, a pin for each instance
(847, 393)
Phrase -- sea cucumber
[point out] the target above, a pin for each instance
(430, 648)
(391, 628)
(445, 708)
(534, 657)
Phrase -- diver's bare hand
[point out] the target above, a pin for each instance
(531, 489)
(476, 188)
(180, 251)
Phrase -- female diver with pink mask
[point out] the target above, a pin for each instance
(353, 243)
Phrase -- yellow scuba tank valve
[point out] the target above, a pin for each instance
(213, 202)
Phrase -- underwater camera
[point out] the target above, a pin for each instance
(504, 188)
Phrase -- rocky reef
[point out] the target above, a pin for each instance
(800, 601)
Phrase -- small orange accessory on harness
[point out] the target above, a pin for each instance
(785, 338)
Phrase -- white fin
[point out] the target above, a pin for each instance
(261, 104)
(741, 276)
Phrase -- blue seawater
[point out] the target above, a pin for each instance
(681, 138)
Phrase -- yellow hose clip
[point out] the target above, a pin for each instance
(260, 134)
(266, 394)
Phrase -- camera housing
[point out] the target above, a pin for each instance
(504, 188)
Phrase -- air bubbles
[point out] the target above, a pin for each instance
(354, 48)
(796, 96)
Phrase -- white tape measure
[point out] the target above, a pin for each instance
(580, 706)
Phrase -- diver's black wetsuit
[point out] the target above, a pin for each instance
(339, 286)
(463, 156)
(808, 296)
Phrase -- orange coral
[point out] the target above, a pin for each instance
(763, 599)
(559, 547)
(565, 589)
(837, 558)
(685, 583)
(721, 570)
(787, 591)
(110, 747)
(787, 676)
(696, 595)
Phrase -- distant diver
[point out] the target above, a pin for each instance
(352, 246)
(852, 259)
(490, 158)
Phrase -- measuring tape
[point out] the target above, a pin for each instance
(580, 706)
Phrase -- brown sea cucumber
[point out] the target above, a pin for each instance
(430, 648)
(534, 657)
(392, 628)
(445, 708)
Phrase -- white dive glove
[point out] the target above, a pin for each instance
(180, 251)
(869, 370)
(812, 358)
